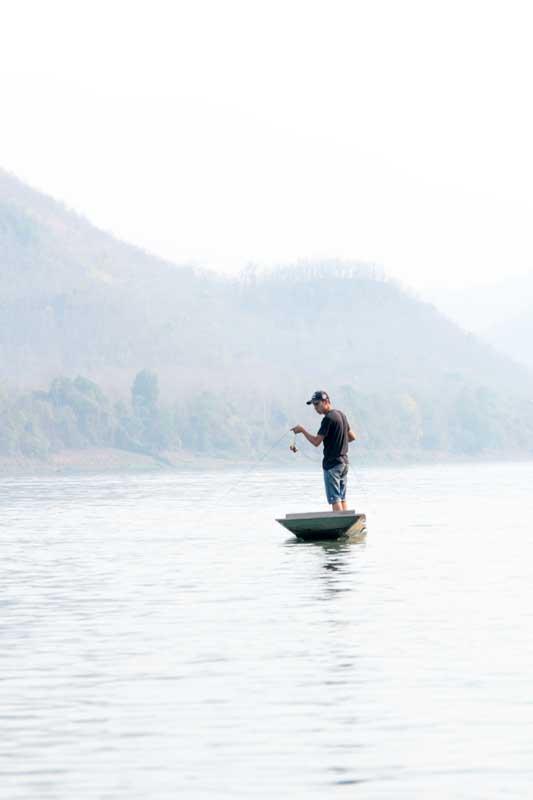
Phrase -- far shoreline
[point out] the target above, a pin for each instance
(111, 460)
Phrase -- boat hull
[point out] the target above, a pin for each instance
(321, 525)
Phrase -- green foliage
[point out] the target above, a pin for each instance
(212, 424)
(454, 416)
(145, 394)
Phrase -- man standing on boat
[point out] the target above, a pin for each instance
(336, 434)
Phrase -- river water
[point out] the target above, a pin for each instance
(162, 636)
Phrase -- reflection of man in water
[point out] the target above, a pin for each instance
(336, 434)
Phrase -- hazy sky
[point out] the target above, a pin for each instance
(223, 133)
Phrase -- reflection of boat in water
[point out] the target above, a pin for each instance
(324, 524)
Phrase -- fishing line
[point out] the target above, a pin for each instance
(308, 457)
(245, 476)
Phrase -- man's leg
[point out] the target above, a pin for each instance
(335, 483)
(342, 490)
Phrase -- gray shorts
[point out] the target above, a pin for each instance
(335, 480)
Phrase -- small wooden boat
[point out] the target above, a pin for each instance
(324, 524)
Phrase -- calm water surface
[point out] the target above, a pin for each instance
(163, 637)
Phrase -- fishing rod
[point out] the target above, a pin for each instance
(292, 447)
(246, 474)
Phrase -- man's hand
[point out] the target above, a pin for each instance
(314, 440)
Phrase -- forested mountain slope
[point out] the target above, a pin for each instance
(500, 313)
(240, 353)
(514, 336)
(74, 298)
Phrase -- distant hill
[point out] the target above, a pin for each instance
(514, 336)
(73, 298)
(340, 319)
(499, 313)
(76, 301)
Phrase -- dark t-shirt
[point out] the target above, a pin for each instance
(334, 429)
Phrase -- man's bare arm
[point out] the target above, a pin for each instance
(351, 436)
(315, 440)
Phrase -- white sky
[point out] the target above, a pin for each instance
(223, 133)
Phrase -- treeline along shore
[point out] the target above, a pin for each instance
(454, 420)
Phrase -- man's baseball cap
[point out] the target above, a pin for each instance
(317, 397)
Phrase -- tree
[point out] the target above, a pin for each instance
(145, 394)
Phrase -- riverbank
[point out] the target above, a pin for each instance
(108, 460)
